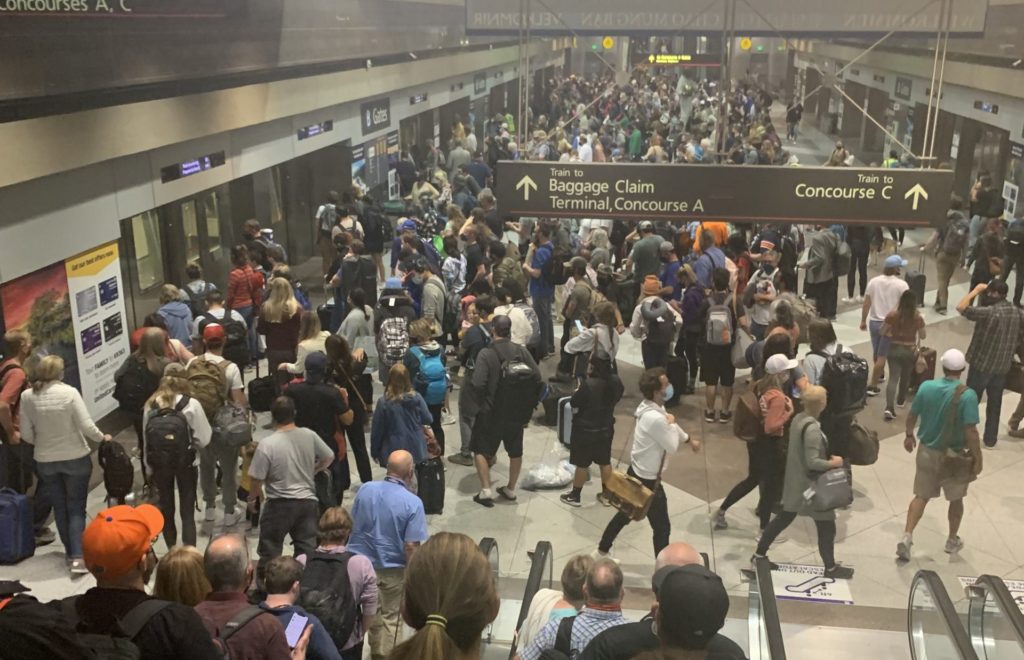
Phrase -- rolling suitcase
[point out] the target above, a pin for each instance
(17, 539)
(924, 367)
(565, 420)
(430, 485)
(917, 281)
(324, 313)
(678, 374)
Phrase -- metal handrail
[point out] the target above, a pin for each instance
(985, 588)
(931, 582)
(542, 560)
(762, 609)
(489, 547)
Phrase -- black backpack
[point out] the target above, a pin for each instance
(121, 646)
(376, 224)
(845, 376)
(197, 301)
(555, 273)
(236, 338)
(135, 385)
(661, 323)
(519, 388)
(563, 642)
(169, 438)
(326, 592)
(118, 471)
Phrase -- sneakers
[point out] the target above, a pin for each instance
(901, 403)
(571, 498)
(873, 391)
(850, 300)
(941, 310)
(447, 418)
(889, 415)
(461, 459)
(719, 521)
(954, 545)
(211, 513)
(597, 554)
(710, 416)
(603, 500)
(77, 567)
(753, 562)
(903, 548)
(839, 572)
(45, 536)
(230, 520)
(725, 417)
(1014, 424)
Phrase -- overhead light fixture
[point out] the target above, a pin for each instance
(1017, 63)
(413, 55)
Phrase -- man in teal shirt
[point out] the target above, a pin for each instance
(942, 432)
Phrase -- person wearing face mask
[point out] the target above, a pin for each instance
(761, 293)
(118, 550)
(389, 524)
(654, 437)
(434, 296)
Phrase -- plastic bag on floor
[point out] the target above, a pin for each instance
(553, 471)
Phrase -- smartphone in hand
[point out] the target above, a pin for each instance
(295, 628)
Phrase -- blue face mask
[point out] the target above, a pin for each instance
(669, 392)
(768, 268)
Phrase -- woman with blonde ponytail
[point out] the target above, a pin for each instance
(449, 599)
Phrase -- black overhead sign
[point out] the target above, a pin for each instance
(115, 8)
(790, 17)
(375, 115)
(736, 193)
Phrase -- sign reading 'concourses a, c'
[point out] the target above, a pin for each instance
(737, 193)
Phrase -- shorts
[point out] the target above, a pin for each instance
(875, 330)
(589, 448)
(928, 479)
(716, 366)
(488, 436)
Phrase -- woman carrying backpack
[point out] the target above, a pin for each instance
(347, 369)
(427, 366)
(279, 323)
(138, 378)
(902, 330)
(55, 422)
(401, 420)
(765, 454)
(175, 427)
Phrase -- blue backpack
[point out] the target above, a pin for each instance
(432, 377)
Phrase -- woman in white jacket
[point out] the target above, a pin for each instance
(55, 421)
(168, 461)
(654, 437)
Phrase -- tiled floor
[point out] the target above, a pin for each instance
(993, 529)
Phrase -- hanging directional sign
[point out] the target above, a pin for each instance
(737, 193)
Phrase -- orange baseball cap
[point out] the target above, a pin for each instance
(119, 537)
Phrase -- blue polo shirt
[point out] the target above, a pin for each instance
(539, 287)
(930, 403)
(386, 516)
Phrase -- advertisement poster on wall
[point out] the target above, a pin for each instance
(75, 309)
(101, 339)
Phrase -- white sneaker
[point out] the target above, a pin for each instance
(77, 567)
(211, 514)
(849, 300)
(230, 520)
(447, 418)
(903, 548)
(597, 554)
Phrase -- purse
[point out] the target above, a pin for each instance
(1015, 378)
(832, 489)
(957, 465)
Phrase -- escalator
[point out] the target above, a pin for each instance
(935, 629)
(541, 577)
(994, 620)
(489, 548)
(764, 630)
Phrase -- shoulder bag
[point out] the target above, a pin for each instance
(627, 493)
(832, 489)
(957, 465)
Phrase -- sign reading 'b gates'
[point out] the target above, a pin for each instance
(115, 8)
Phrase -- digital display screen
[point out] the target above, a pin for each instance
(316, 129)
(986, 107)
(419, 98)
(190, 167)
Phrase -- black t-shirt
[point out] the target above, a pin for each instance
(474, 258)
(173, 633)
(630, 639)
(316, 407)
(596, 399)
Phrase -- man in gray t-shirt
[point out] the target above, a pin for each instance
(286, 461)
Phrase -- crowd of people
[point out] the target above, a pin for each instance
(467, 309)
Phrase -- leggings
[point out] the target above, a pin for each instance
(687, 346)
(860, 252)
(826, 536)
(897, 234)
(901, 361)
(435, 423)
(764, 459)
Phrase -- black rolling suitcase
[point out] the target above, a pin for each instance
(918, 282)
(430, 485)
(677, 370)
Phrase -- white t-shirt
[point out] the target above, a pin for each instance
(586, 153)
(521, 326)
(885, 292)
(232, 375)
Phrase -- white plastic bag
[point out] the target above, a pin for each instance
(553, 471)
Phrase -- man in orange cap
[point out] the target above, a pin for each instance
(118, 550)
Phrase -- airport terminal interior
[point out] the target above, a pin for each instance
(142, 142)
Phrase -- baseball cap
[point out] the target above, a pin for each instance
(605, 269)
(645, 225)
(778, 363)
(575, 263)
(213, 332)
(315, 366)
(393, 283)
(665, 247)
(407, 225)
(692, 604)
(895, 261)
(119, 537)
(953, 360)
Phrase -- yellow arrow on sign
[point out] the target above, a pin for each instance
(651, 59)
(918, 192)
(525, 184)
